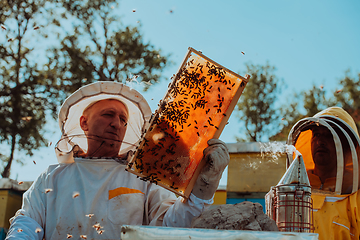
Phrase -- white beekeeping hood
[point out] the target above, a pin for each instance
(73, 137)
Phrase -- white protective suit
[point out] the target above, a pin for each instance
(92, 198)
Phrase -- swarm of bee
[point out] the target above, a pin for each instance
(188, 116)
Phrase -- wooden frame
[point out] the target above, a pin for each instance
(196, 108)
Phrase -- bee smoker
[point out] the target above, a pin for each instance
(289, 202)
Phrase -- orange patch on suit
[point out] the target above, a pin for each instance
(122, 190)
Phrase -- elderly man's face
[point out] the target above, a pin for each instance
(105, 125)
(323, 148)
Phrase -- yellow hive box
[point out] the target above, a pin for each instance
(196, 108)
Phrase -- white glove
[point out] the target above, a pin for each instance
(217, 158)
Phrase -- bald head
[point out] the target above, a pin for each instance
(104, 124)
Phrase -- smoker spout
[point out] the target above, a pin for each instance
(296, 173)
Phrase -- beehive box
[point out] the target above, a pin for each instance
(196, 107)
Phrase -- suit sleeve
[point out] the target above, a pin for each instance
(29, 221)
(162, 208)
(181, 213)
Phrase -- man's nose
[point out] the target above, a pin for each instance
(321, 141)
(115, 123)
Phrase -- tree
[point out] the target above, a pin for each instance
(290, 115)
(257, 105)
(349, 96)
(314, 101)
(25, 92)
(99, 49)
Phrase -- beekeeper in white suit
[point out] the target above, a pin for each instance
(89, 194)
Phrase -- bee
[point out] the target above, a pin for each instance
(19, 230)
(90, 215)
(97, 226)
(21, 182)
(134, 10)
(75, 194)
(34, 162)
(26, 118)
(242, 53)
(47, 190)
(338, 91)
(69, 236)
(37, 230)
(100, 231)
(10, 39)
(3, 27)
(321, 87)
(83, 236)
(36, 27)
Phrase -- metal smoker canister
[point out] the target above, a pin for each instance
(289, 202)
(293, 208)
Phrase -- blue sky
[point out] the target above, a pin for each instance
(309, 42)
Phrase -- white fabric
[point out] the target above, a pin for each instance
(25, 227)
(333, 199)
(217, 157)
(59, 214)
(76, 103)
(181, 214)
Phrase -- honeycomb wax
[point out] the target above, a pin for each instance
(196, 107)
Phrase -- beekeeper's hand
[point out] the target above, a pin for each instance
(217, 158)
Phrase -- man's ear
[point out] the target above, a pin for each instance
(83, 123)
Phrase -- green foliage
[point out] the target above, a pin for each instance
(39, 68)
(349, 96)
(25, 93)
(289, 116)
(314, 100)
(100, 49)
(257, 105)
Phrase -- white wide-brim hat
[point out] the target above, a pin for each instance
(73, 107)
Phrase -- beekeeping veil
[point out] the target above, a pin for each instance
(346, 139)
(73, 138)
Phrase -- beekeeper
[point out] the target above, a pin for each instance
(89, 194)
(329, 143)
